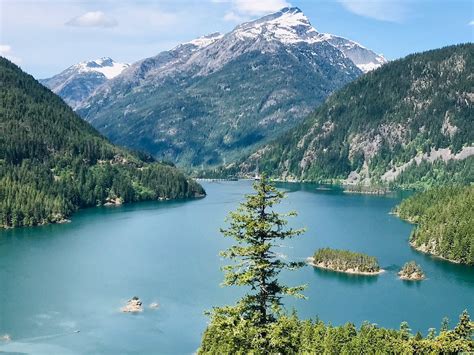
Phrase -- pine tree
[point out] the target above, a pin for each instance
(257, 227)
(464, 329)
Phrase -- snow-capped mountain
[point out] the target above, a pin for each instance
(365, 59)
(79, 81)
(220, 95)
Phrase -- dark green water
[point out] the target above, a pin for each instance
(61, 278)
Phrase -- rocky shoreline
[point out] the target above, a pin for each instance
(324, 266)
(425, 249)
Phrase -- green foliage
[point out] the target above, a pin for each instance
(445, 222)
(343, 260)
(257, 227)
(52, 162)
(381, 121)
(228, 333)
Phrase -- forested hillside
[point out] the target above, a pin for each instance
(398, 124)
(52, 162)
(445, 218)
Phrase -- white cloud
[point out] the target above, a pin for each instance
(471, 23)
(383, 10)
(260, 7)
(243, 10)
(232, 16)
(93, 19)
(6, 51)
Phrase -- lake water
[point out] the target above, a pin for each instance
(57, 279)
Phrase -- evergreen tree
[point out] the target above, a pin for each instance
(256, 227)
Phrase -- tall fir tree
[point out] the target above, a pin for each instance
(258, 228)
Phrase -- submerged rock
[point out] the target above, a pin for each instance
(133, 305)
(154, 305)
(5, 338)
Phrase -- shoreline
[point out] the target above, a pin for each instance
(424, 251)
(407, 278)
(68, 218)
(310, 261)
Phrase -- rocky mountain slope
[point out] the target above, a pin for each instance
(78, 82)
(53, 162)
(409, 122)
(219, 96)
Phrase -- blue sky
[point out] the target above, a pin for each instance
(46, 36)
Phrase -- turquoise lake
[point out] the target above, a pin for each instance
(58, 279)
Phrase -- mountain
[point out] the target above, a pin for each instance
(408, 123)
(53, 162)
(219, 96)
(78, 82)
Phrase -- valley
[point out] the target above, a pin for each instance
(268, 189)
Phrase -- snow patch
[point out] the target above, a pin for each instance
(106, 66)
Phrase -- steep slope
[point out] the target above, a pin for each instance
(78, 82)
(52, 162)
(220, 96)
(409, 122)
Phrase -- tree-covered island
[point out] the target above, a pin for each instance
(258, 323)
(345, 261)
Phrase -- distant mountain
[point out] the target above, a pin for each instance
(219, 96)
(53, 162)
(409, 122)
(78, 82)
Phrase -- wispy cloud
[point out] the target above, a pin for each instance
(471, 23)
(6, 51)
(243, 10)
(260, 7)
(383, 10)
(93, 19)
(232, 16)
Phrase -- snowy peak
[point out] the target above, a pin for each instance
(289, 25)
(204, 41)
(106, 66)
(365, 59)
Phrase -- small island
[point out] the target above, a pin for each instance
(134, 305)
(345, 261)
(411, 271)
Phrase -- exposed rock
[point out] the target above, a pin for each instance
(133, 305)
(110, 201)
(411, 272)
(443, 153)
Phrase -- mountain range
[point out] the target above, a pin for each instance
(408, 123)
(220, 96)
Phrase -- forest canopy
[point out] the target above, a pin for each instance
(52, 162)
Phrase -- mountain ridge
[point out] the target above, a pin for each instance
(407, 123)
(221, 95)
